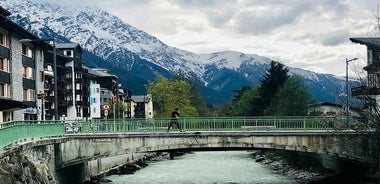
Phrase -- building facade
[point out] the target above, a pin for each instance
(142, 106)
(370, 92)
(20, 79)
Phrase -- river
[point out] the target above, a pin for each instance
(232, 167)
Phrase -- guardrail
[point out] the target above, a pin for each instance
(215, 124)
(13, 132)
(16, 131)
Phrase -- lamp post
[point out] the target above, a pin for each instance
(348, 97)
(54, 70)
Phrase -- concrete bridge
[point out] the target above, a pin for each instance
(92, 148)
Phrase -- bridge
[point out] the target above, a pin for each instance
(98, 146)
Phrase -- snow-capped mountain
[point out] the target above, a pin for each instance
(137, 57)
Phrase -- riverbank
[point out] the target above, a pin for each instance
(19, 169)
(309, 173)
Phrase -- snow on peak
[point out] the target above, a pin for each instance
(232, 59)
(109, 37)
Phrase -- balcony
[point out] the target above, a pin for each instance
(4, 51)
(365, 91)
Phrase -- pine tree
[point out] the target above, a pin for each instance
(271, 83)
(291, 100)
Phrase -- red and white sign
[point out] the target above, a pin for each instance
(106, 107)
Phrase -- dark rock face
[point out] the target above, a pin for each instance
(18, 169)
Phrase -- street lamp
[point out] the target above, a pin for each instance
(54, 70)
(348, 97)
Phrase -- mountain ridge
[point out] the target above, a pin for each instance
(110, 42)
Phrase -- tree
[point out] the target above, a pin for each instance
(238, 93)
(252, 101)
(170, 94)
(292, 99)
(224, 110)
(271, 83)
(245, 105)
(120, 107)
(198, 101)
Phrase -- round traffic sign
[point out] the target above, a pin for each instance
(106, 107)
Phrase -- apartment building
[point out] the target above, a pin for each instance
(41, 79)
(20, 79)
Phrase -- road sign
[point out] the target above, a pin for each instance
(105, 107)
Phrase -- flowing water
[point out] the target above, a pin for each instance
(232, 167)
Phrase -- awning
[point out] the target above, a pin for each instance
(8, 104)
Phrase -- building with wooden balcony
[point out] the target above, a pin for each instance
(370, 92)
(73, 87)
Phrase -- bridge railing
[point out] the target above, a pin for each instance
(15, 131)
(215, 124)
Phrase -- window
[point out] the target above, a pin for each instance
(69, 53)
(4, 90)
(26, 50)
(4, 64)
(25, 94)
(24, 71)
(29, 95)
(28, 72)
(78, 76)
(78, 97)
(78, 86)
(3, 38)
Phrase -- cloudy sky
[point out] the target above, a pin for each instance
(309, 34)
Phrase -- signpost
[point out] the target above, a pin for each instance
(105, 107)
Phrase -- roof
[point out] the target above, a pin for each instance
(4, 12)
(369, 41)
(68, 46)
(98, 72)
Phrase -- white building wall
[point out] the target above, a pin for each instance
(95, 110)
